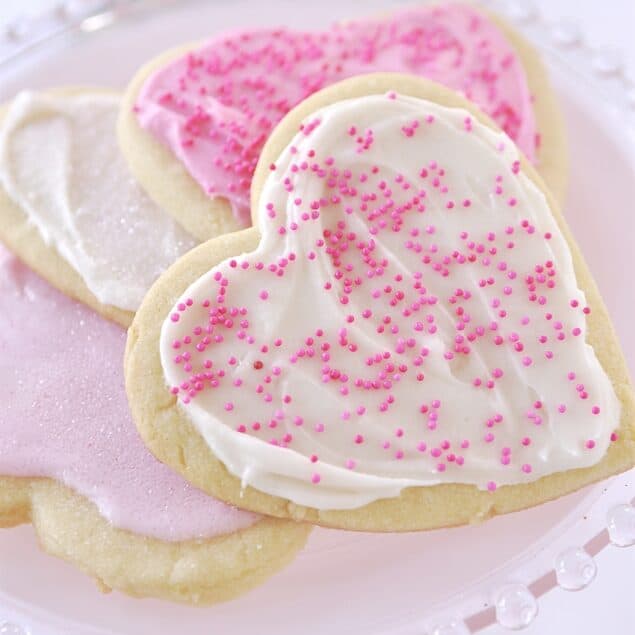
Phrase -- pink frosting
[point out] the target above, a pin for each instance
(65, 415)
(214, 108)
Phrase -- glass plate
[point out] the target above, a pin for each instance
(449, 582)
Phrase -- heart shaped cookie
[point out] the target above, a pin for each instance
(409, 338)
(69, 206)
(201, 113)
(72, 464)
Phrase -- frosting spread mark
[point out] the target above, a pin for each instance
(60, 164)
(215, 107)
(410, 317)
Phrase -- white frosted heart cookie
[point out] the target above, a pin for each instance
(72, 463)
(70, 208)
(409, 338)
(194, 120)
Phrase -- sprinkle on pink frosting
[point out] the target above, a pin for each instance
(65, 416)
(215, 107)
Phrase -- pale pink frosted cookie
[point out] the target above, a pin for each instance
(214, 106)
(408, 339)
(65, 417)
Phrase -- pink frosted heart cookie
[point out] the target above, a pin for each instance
(72, 462)
(201, 113)
(408, 339)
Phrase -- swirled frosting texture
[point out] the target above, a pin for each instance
(60, 164)
(65, 416)
(410, 317)
(215, 107)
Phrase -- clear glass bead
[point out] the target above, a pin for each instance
(621, 525)
(575, 569)
(607, 62)
(516, 607)
(566, 33)
(455, 627)
(521, 10)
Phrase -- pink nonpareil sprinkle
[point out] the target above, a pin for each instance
(245, 83)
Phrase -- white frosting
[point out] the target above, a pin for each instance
(60, 164)
(430, 243)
